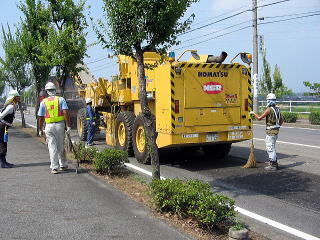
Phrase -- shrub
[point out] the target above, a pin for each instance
(109, 160)
(290, 117)
(192, 198)
(314, 117)
(84, 154)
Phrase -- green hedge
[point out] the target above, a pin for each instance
(84, 154)
(192, 198)
(314, 117)
(109, 160)
(290, 117)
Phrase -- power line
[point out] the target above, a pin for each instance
(98, 60)
(233, 10)
(289, 15)
(240, 29)
(220, 30)
(269, 4)
(232, 16)
(104, 68)
(213, 38)
(220, 20)
(234, 25)
(102, 65)
(287, 19)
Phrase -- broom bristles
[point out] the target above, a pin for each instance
(251, 163)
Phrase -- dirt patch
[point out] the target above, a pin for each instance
(137, 189)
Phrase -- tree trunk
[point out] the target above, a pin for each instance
(150, 125)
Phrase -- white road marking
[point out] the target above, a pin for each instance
(141, 170)
(275, 224)
(245, 212)
(313, 129)
(290, 143)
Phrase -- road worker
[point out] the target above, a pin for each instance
(54, 111)
(7, 116)
(274, 120)
(90, 117)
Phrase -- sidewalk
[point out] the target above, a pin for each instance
(35, 204)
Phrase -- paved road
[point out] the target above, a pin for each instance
(35, 204)
(289, 196)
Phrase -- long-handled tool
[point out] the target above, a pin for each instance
(74, 152)
(251, 163)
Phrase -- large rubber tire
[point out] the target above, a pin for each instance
(82, 124)
(217, 152)
(140, 147)
(123, 132)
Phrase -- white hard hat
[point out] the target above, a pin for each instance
(14, 93)
(88, 100)
(271, 96)
(50, 86)
(9, 99)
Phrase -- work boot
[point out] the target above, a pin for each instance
(3, 163)
(54, 171)
(272, 166)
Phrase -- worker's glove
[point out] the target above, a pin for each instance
(93, 123)
(252, 112)
(68, 131)
(40, 133)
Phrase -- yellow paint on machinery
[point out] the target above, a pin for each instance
(195, 102)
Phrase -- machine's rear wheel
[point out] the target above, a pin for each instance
(140, 147)
(82, 124)
(217, 152)
(124, 129)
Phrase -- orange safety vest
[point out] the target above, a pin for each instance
(53, 111)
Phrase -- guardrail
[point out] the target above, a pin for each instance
(303, 107)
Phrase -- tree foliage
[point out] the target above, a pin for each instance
(65, 47)
(135, 26)
(314, 87)
(53, 37)
(34, 32)
(275, 84)
(14, 70)
(150, 24)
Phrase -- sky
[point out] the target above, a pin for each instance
(290, 29)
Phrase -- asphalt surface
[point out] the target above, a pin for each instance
(35, 204)
(289, 196)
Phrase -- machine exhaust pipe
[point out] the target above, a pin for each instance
(217, 59)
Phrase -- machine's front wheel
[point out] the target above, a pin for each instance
(140, 147)
(124, 129)
(217, 152)
(82, 124)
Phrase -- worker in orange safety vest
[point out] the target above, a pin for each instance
(54, 111)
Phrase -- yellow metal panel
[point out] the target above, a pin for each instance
(212, 116)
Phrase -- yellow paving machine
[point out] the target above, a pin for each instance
(201, 102)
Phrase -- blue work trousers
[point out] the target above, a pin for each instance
(91, 130)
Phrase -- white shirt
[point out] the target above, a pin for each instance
(9, 110)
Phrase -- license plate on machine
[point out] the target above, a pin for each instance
(235, 135)
(211, 137)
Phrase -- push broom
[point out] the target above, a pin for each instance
(251, 163)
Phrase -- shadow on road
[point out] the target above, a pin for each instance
(197, 161)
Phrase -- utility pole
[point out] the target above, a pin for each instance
(255, 56)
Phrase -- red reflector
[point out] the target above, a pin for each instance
(246, 105)
(176, 106)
